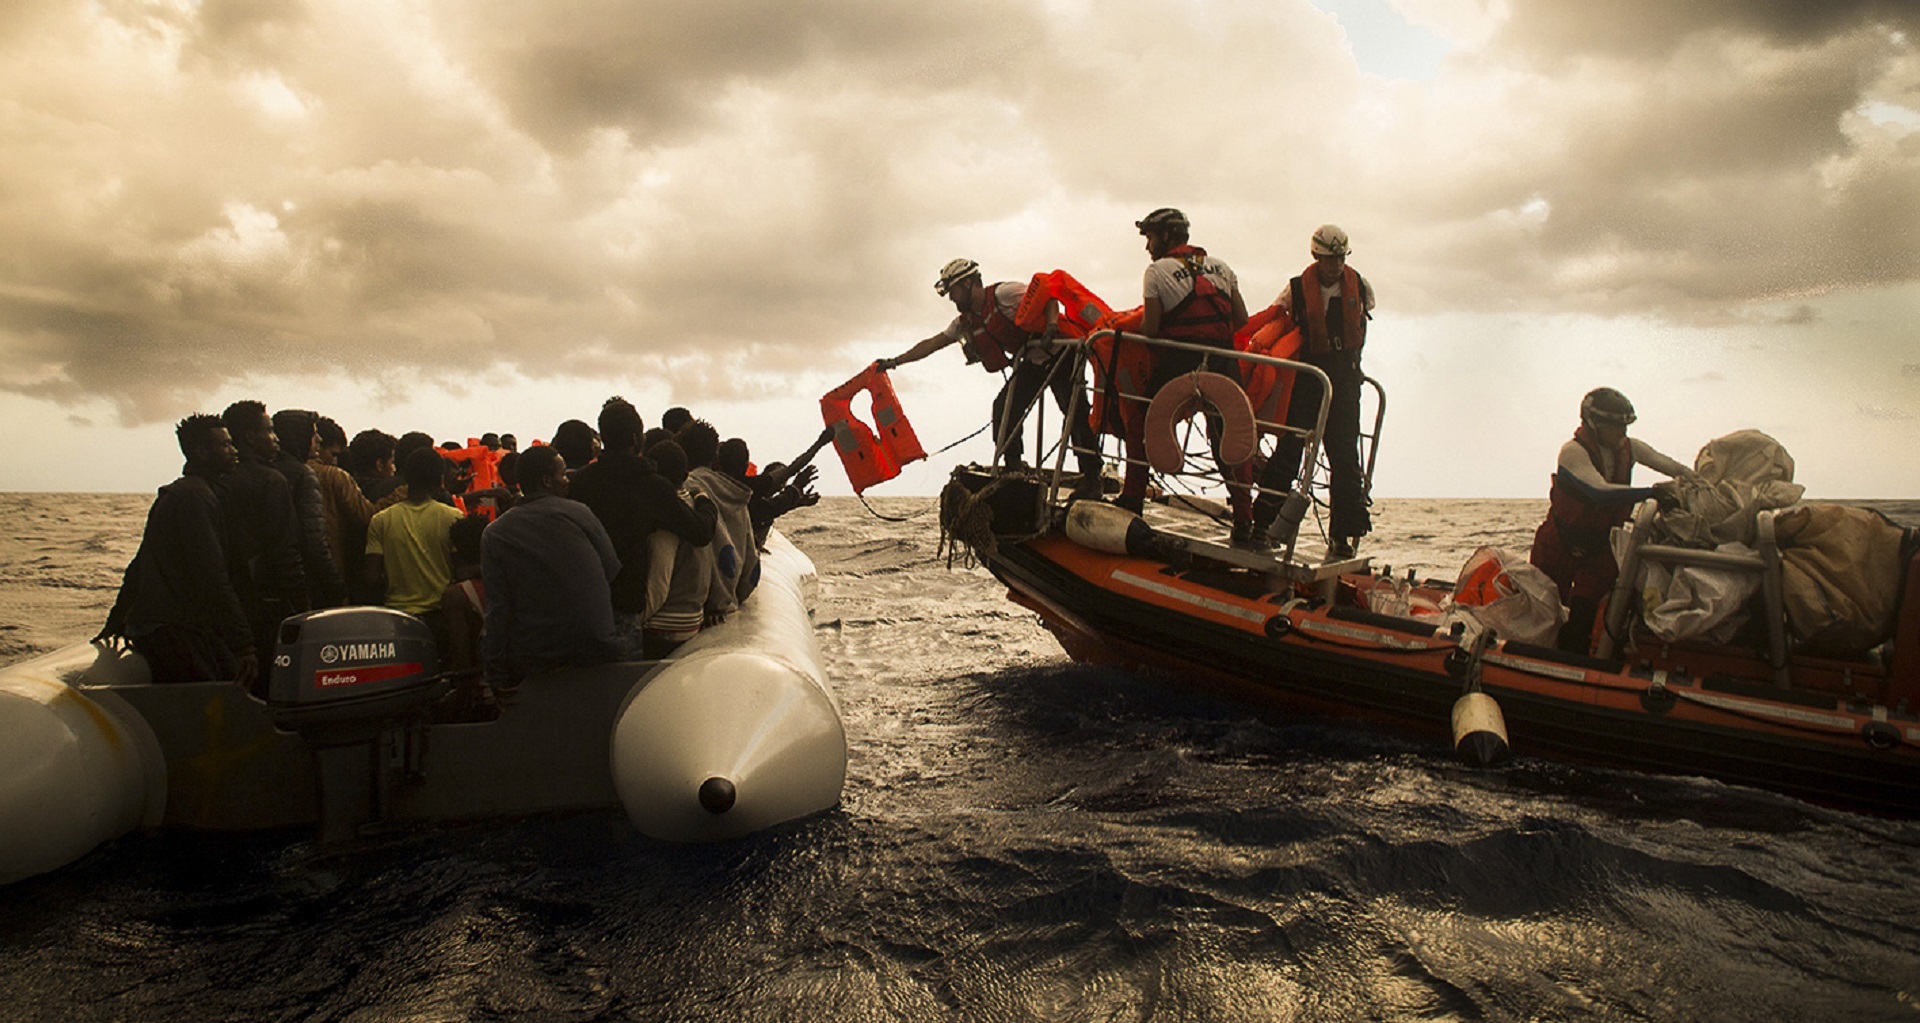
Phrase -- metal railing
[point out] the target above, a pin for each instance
(1199, 474)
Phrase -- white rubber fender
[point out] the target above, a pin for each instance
(75, 771)
(1479, 730)
(739, 731)
(1179, 399)
(1104, 527)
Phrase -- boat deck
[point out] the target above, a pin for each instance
(1201, 526)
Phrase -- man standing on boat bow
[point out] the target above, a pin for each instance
(1190, 297)
(1332, 303)
(987, 333)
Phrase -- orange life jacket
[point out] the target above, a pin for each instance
(1310, 309)
(483, 468)
(870, 455)
(1080, 308)
(1205, 316)
(989, 337)
(1584, 523)
(1269, 332)
(1121, 368)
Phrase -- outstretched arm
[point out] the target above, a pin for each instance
(919, 351)
(1645, 454)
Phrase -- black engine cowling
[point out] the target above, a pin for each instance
(350, 665)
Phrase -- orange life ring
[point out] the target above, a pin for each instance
(871, 454)
(1188, 393)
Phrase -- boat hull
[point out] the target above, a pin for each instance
(90, 750)
(1277, 651)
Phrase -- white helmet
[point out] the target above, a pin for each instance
(954, 272)
(1330, 241)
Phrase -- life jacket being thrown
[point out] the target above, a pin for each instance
(870, 454)
(1080, 308)
(1310, 311)
(1270, 332)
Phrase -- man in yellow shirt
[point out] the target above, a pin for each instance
(409, 545)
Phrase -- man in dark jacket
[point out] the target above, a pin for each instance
(263, 557)
(632, 500)
(546, 565)
(294, 428)
(177, 607)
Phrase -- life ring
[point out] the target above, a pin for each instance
(1239, 439)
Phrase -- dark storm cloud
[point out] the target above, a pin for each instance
(1555, 29)
(564, 69)
(721, 195)
(1679, 164)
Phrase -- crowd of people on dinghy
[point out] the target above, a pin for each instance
(619, 543)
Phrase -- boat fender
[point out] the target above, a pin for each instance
(1479, 730)
(1881, 735)
(1212, 393)
(1109, 529)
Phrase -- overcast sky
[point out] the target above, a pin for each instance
(489, 214)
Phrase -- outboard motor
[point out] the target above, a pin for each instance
(356, 683)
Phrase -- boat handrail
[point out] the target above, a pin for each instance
(1080, 347)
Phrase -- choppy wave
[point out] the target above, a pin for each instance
(1021, 838)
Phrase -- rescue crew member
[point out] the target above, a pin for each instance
(1194, 298)
(1331, 303)
(988, 335)
(1592, 492)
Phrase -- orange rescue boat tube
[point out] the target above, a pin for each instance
(870, 454)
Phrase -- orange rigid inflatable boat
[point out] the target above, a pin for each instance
(1281, 623)
(1840, 732)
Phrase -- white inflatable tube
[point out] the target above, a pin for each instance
(75, 771)
(740, 730)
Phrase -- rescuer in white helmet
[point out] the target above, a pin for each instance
(1331, 303)
(987, 334)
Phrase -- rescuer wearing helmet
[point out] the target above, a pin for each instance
(1593, 492)
(988, 335)
(1331, 303)
(1194, 298)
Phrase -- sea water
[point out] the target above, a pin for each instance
(1020, 838)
